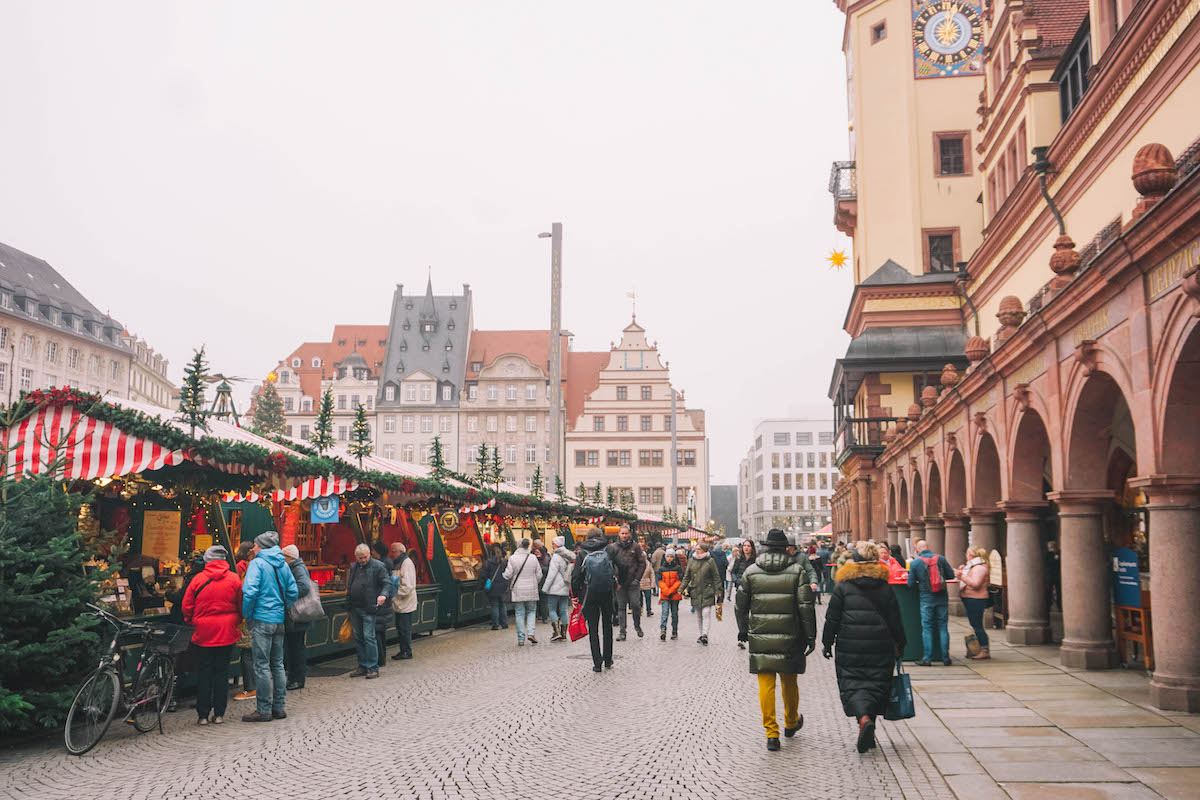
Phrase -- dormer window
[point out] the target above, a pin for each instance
(408, 305)
(476, 366)
(425, 346)
(53, 314)
(453, 304)
(316, 362)
(296, 363)
(306, 404)
(403, 345)
(31, 308)
(76, 324)
(450, 325)
(406, 325)
(449, 345)
(360, 373)
(341, 342)
(5, 300)
(427, 327)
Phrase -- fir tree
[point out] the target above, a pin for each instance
(360, 435)
(191, 393)
(497, 474)
(535, 483)
(437, 460)
(627, 503)
(581, 493)
(268, 412)
(597, 495)
(482, 470)
(610, 497)
(322, 435)
(560, 489)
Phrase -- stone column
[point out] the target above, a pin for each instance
(1028, 608)
(891, 533)
(902, 533)
(1174, 586)
(956, 546)
(983, 528)
(862, 486)
(935, 534)
(1087, 610)
(916, 530)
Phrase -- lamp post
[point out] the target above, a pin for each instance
(555, 393)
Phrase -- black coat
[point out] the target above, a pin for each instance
(495, 566)
(867, 641)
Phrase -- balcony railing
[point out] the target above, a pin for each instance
(843, 181)
(861, 434)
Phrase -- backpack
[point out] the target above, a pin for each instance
(598, 572)
(935, 573)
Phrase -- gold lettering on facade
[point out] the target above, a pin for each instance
(1092, 327)
(1029, 370)
(1163, 278)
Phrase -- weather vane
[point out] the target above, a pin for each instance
(633, 299)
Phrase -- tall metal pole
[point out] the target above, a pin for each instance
(674, 455)
(555, 394)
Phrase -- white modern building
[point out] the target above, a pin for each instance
(786, 479)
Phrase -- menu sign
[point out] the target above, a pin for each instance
(160, 535)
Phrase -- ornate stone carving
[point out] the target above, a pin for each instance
(1064, 262)
(901, 425)
(951, 442)
(1010, 315)
(1022, 395)
(929, 453)
(949, 376)
(1154, 175)
(929, 397)
(977, 350)
(889, 435)
(1191, 287)
(914, 412)
(1085, 354)
(980, 420)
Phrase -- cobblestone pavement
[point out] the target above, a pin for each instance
(474, 716)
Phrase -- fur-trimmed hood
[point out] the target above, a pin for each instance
(852, 570)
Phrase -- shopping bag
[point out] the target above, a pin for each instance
(577, 627)
(345, 633)
(972, 643)
(900, 699)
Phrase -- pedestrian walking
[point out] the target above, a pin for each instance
(929, 573)
(657, 556)
(245, 552)
(717, 553)
(557, 588)
(404, 601)
(268, 591)
(212, 605)
(524, 575)
(775, 616)
(702, 583)
(594, 579)
(670, 579)
(630, 562)
(295, 649)
(746, 555)
(496, 586)
(647, 586)
(368, 587)
(540, 552)
(974, 577)
(863, 623)
(818, 564)
(379, 551)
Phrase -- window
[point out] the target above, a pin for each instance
(531, 454)
(1071, 75)
(406, 454)
(493, 392)
(306, 404)
(878, 31)
(297, 363)
(425, 451)
(646, 393)
(408, 423)
(787, 480)
(803, 439)
(304, 432)
(530, 423)
(491, 423)
(114, 370)
(410, 393)
(775, 460)
(370, 402)
(597, 423)
(687, 458)
(288, 404)
(647, 422)
(444, 423)
(476, 366)
(510, 392)
(341, 401)
(622, 422)
(447, 393)
(787, 460)
(824, 480)
(622, 392)
(27, 352)
(389, 451)
(473, 393)
(427, 424)
(510, 454)
(941, 249)
(824, 459)
(825, 437)
(812, 461)
(951, 153)
(812, 481)
(72, 358)
(775, 481)
(587, 458)
(316, 362)
(666, 422)
(783, 440)
(787, 503)
(681, 493)
(531, 391)
(510, 423)
(343, 432)
(644, 496)
(389, 393)
(389, 424)
(3, 376)
(656, 496)
(6, 300)
(426, 393)
(472, 424)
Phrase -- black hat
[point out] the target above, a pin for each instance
(776, 538)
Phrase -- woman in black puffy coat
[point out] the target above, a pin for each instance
(863, 621)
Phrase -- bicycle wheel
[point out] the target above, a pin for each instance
(92, 711)
(154, 686)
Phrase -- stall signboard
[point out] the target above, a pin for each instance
(324, 509)
(995, 568)
(1127, 584)
(160, 534)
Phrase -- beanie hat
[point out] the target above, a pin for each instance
(670, 551)
(291, 551)
(267, 540)
(216, 553)
(559, 541)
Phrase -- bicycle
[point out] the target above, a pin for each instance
(104, 690)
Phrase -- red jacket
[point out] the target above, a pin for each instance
(214, 609)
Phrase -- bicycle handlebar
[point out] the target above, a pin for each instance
(120, 623)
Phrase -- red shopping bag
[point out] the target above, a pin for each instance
(577, 627)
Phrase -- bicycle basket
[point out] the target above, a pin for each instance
(169, 638)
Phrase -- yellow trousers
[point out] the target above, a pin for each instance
(766, 700)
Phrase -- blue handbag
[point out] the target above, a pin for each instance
(900, 698)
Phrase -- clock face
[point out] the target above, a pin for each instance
(947, 39)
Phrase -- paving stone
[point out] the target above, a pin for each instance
(975, 787)
(1080, 791)
(1174, 783)
(1060, 772)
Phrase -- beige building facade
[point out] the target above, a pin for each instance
(148, 381)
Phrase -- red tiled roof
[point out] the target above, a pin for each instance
(583, 376)
(1057, 21)
(333, 351)
(487, 346)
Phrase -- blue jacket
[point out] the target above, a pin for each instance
(721, 560)
(918, 572)
(261, 597)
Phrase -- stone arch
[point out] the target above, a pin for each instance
(1101, 427)
(1179, 421)
(956, 484)
(1031, 468)
(985, 488)
(916, 504)
(902, 497)
(933, 490)
(891, 509)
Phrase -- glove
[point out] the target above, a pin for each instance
(827, 652)
(812, 645)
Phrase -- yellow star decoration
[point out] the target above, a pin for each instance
(836, 259)
(947, 29)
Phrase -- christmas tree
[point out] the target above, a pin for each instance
(597, 495)
(322, 435)
(535, 483)
(560, 489)
(437, 460)
(191, 393)
(268, 412)
(497, 473)
(360, 435)
(627, 503)
(610, 497)
(581, 493)
(482, 470)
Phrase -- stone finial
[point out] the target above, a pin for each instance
(929, 397)
(1010, 315)
(977, 349)
(889, 435)
(914, 412)
(1064, 262)
(901, 425)
(1154, 175)
(949, 376)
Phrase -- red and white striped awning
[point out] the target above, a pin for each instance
(473, 509)
(316, 487)
(90, 448)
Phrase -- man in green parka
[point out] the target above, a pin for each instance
(775, 614)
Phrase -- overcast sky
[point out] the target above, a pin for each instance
(247, 174)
